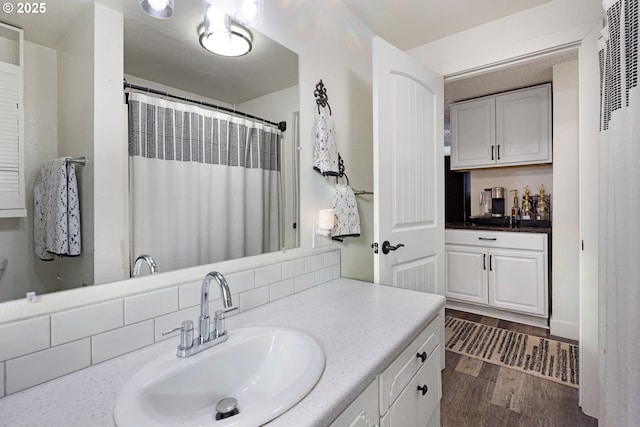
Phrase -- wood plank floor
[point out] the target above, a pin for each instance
(481, 394)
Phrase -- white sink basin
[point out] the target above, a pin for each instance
(268, 370)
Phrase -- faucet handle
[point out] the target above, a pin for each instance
(218, 322)
(186, 334)
(221, 313)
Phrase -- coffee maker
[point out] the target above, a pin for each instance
(497, 201)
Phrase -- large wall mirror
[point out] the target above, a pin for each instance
(62, 108)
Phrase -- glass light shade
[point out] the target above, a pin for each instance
(239, 44)
(326, 219)
(249, 12)
(161, 9)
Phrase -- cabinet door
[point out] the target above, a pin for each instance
(363, 412)
(523, 126)
(417, 403)
(466, 275)
(473, 133)
(518, 281)
(12, 184)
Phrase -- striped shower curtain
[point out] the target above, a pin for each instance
(619, 226)
(204, 185)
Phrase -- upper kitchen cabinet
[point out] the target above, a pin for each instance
(508, 129)
(12, 184)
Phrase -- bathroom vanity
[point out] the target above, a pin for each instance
(383, 347)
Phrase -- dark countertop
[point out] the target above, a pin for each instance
(482, 227)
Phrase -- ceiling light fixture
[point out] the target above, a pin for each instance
(161, 9)
(239, 43)
(222, 36)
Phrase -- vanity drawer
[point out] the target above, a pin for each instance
(418, 403)
(396, 377)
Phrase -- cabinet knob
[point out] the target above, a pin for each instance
(424, 389)
(422, 356)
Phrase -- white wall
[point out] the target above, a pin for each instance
(111, 243)
(334, 46)
(276, 107)
(566, 203)
(24, 272)
(75, 128)
(553, 24)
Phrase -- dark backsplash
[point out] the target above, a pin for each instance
(457, 193)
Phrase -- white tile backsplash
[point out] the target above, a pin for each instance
(190, 294)
(254, 298)
(151, 304)
(24, 337)
(268, 275)
(173, 320)
(238, 283)
(93, 334)
(336, 271)
(45, 365)
(281, 289)
(303, 282)
(331, 258)
(323, 275)
(86, 321)
(313, 263)
(292, 268)
(122, 340)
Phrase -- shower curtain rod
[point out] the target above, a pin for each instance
(282, 126)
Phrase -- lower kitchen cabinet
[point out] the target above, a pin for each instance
(466, 273)
(408, 391)
(502, 270)
(517, 281)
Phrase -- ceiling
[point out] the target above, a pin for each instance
(168, 51)
(411, 23)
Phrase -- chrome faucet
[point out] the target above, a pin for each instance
(205, 321)
(206, 338)
(138, 263)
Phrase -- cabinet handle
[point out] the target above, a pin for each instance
(492, 148)
(493, 239)
(424, 389)
(490, 262)
(484, 261)
(498, 152)
(422, 356)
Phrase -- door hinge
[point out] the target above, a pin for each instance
(375, 247)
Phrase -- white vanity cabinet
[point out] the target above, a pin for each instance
(501, 270)
(512, 128)
(408, 391)
(12, 181)
(363, 412)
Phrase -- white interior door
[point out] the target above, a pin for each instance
(408, 171)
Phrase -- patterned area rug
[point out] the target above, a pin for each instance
(550, 359)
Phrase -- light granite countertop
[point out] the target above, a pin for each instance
(361, 327)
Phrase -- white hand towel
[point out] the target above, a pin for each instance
(347, 219)
(325, 151)
(56, 211)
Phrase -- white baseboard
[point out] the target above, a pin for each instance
(564, 329)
